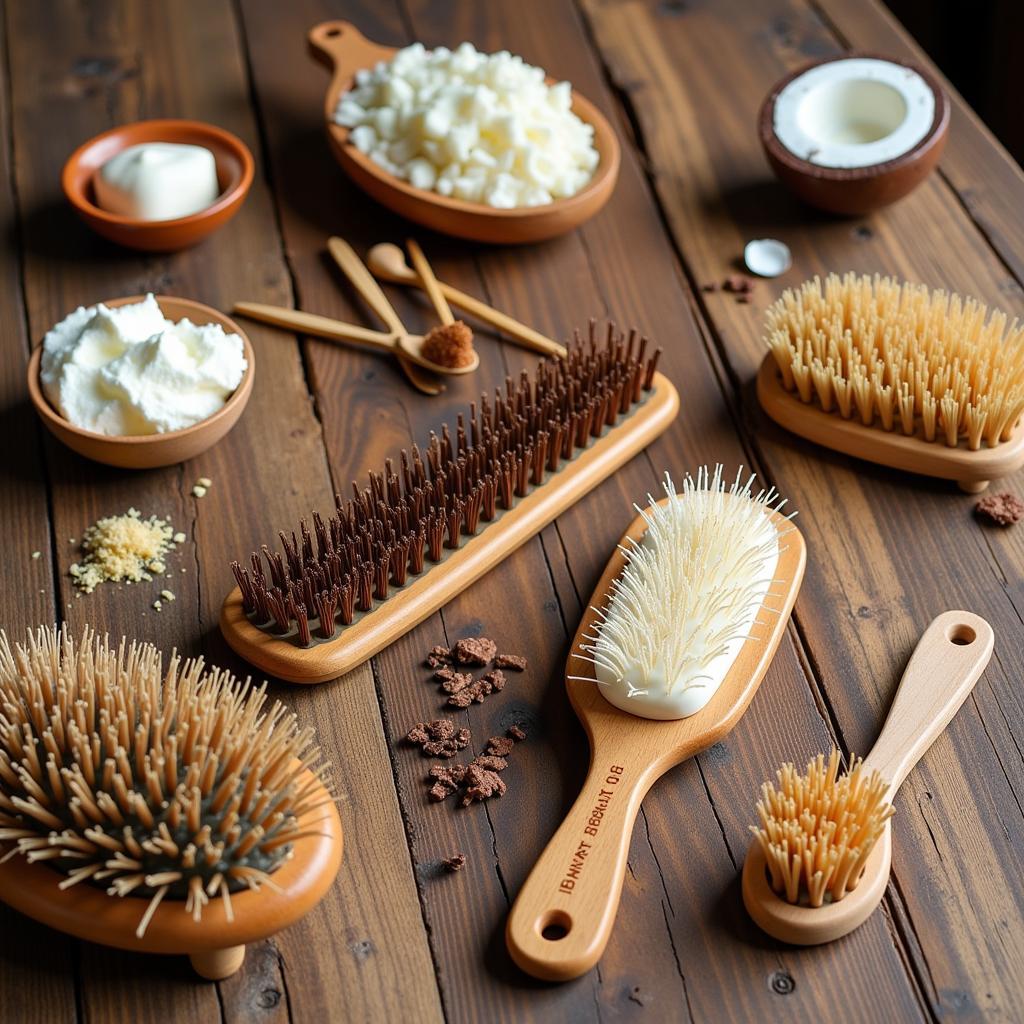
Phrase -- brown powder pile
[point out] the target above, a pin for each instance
(125, 548)
(1003, 509)
(449, 345)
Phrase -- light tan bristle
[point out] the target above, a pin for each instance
(817, 829)
(179, 784)
(899, 356)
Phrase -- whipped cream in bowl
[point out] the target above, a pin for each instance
(143, 381)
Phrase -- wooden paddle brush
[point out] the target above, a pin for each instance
(819, 864)
(434, 521)
(894, 373)
(689, 613)
(163, 812)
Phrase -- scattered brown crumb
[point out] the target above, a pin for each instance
(439, 738)
(512, 661)
(1004, 509)
(739, 284)
(454, 863)
(500, 746)
(709, 286)
(442, 675)
(517, 732)
(743, 300)
(439, 656)
(476, 691)
(447, 779)
(456, 682)
(482, 784)
(449, 345)
(491, 762)
(475, 650)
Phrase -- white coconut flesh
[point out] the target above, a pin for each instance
(854, 113)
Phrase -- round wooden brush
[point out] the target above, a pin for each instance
(820, 860)
(893, 372)
(151, 810)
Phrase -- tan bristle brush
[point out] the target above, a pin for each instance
(689, 613)
(162, 812)
(428, 526)
(918, 380)
(820, 861)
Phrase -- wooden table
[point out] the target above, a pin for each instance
(397, 938)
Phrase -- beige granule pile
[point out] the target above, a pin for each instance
(124, 548)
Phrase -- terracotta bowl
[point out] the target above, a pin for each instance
(855, 190)
(234, 175)
(341, 46)
(151, 450)
(215, 945)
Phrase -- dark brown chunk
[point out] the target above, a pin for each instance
(739, 284)
(1004, 509)
(454, 863)
(512, 661)
(475, 650)
(517, 733)
(482, 784)
(439, 656)
(500, 746)
(447, 779)
(477, 690)
(456, 682)
(439, 738)
(489, 761)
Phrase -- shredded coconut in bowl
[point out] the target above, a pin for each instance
(485, 128)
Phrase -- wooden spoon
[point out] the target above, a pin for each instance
(563, 917)
(362, 280)
(387, 261)
(409, 346)
(947, 662)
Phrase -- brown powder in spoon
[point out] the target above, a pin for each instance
(449, 345)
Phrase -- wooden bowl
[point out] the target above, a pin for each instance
(151, 450)
(234, 175)
(340, 46)
(855, 190)
(215, 945)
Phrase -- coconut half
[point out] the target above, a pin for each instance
(853, 133)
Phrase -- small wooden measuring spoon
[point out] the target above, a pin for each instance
(362, 280)
(947, 662)
(563, 916)
(387, 261)
(407, 345)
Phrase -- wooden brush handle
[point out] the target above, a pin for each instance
(947, 662)
(563, 916)
(429, 283)
(318, 326)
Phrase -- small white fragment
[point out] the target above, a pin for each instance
(767, 257)
(37, 554)
(198, 491)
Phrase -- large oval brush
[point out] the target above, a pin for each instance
(819, 864)
(163, 813)
(896, 374)
(704, 583)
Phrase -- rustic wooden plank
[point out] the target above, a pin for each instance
(872, 586)
(314, 200)
(91, 78)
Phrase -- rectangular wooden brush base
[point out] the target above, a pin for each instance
(972, 470)
(407, 606)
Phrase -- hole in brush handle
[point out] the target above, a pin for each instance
(554, 925)
(961, 634)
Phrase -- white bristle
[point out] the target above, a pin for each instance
(691, 591)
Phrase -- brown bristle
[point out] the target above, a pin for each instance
(817, 829)
(901, 357)
(179, 784)
(407, 521)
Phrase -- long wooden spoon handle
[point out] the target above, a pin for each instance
(429, 283)
(362, 280)
(392, 268)
(564, 914)
(947, 662)
(319, 326)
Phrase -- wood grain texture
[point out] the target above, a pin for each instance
(398, 937)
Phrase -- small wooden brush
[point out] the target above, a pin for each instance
(820, 861)
(426, 528)
(131, 798)
(894, 373)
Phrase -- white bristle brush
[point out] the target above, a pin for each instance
(696, 599)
